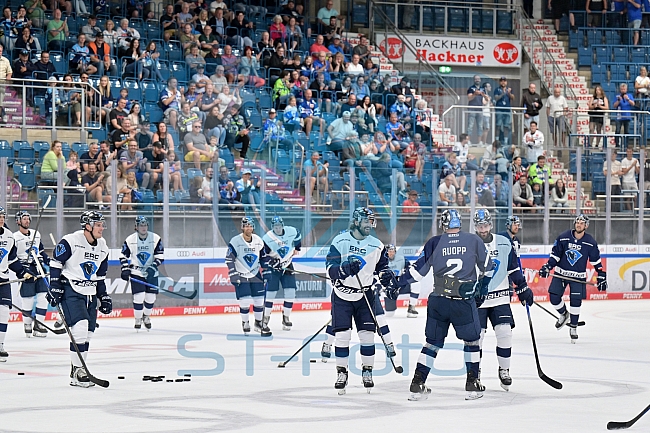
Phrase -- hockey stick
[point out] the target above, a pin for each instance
(307, 273)
(554, 383)
(580, 323)
(614, 425)
(20, 280)
(398, 369)
(264, 333)
(93, 379)
(573, 280)
(29, 313)
(144, 283)
(282, 364)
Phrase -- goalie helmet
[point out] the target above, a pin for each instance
(450, 219)
(277, 220)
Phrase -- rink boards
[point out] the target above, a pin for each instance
(204, 270)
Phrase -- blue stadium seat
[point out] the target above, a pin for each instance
(621, 54)
(150, 91)
(457, 19)
(594, 37)
(7, 151)
(612, 37)
(584, 56)
(598, 74)
(603, 54)
(638, 55)
(116, 86)
(174, 51)
(26, 176)
(487, 21)
(575, 40)
(154, 113)
(504, 22)
(619, 73)
(26, 153)
(152, 27)
(42, 147)
(135, 90)
(58, 60)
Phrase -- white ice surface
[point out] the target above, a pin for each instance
(606, 376)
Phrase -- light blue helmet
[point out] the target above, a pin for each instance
(247, 221)
(277, 220)
(450, 219)
(482, 216)
(513, 220)
(141, 221)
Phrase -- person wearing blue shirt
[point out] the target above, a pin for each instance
(503, 102)
(634, 17)
(475, 99)
(360, 88)
(625, 104)
(274, 132)
(310, 112)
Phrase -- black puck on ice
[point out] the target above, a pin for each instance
(179, 380)
(170, 380)
(146, 378)
(120, 377)
(187, 375)
(187, 379)
(312, 360)
(21, 374)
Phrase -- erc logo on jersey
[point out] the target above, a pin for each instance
(3, 253)
(573, 256)
(60, 250)
(250, 259)
(282, 252)
(89, 269)
(143, 257)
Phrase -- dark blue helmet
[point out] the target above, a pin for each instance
(20, 214)
(90, 217)
(362, 213)
(513, 220)
(582, 218)
(482, 216)
(141, 221)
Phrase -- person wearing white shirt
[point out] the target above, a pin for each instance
(615, 181)
(534, 140)
(355, 68)
(642, 83)
(556, 107)
(466, 160)
(629, 169)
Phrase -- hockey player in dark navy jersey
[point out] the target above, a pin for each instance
(513, 225)
(569, 256)
(454, 257)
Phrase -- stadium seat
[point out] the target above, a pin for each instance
(457, 19)
(26, 153)
(487, 21)
(504, 22)
(621, 54)
(7, 151)
(598, 74)
(612, 37)
(638, 55)
(26, 176)
(135, 90)
(603, 54)
(584, 56)
(153, 112)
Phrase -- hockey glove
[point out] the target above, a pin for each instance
(351, 267)
(387, 279)
(27, 275)
(126, 273)
(151, 273)
(274, 263)
(525, 295)
(55, 294)
(602, 281)
(545, 271)
(106, 304)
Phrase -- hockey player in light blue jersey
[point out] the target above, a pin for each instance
(26, 240)
(455, 257)
(354, 262)
(247, 254)
(494, 303)
(8, 260)
(285, 241)
(142, 254)
(569, 256)
(77, 274)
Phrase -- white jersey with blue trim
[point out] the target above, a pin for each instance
(285, 244)
(398, 264)
(372, 254)
(83, 265)
(24, 245)
(506, 268)
(7, 252)
(569, 255)
(140, 253)
(244, 258)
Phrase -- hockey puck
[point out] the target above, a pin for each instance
(187, 375)
(147, 378)
(170, 380)
(120, 377)
(179, 380)
(21, 374)
(312, 360)
(187, 379)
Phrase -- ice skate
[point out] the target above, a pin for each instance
(473, 387)
(58, 323)
(326, 352)
(561, 321)
(573, 333)
(390, 350)
(366, 378)
(3, 355)
(341, 380)
(419, 391)
(411, 312)
(286, 323)
(504, 377)
(28, 329)
(246, 327)
(78, 377)
(39, 330)
(138, 324)
(262, 329)
(147, 322)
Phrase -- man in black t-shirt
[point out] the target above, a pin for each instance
(121, 136)
(92, 155)
(117, 115)
(155, 167)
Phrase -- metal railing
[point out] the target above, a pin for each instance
(456, 118)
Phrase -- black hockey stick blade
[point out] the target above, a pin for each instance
(580, 323)
(190, 296)
(284, 363)
(553, 383)
(614, 425)
(29, 313)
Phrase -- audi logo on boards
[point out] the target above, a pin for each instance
(182, 253)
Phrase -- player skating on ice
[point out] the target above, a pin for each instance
(285, 241)
(569, 256)
(398, 264)
(142, 254)
(77, 273)
(352, 262)
(455, 257)
(8, 260)
(246, 255)
(496, 300)
(26, 240)
(513, 225)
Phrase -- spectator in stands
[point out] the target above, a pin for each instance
(354, 67)
(384, 146)
(45, 65)
(195, 60)
(107, 155)
(341, 131)
(338, 65)
(57, 32)
(219, 24)
(36, 12)
(559, 8)
(358, 119)
(22, 67)
(186, 118)
(90, 29)
(615, 180)
(487, 113)
(100, 56)
(360, 88)
(538, 195)
(484, 195)
(382, 172)
(230, 63)
(453, 169)
(274, 132)
(249, 67)
(500, 191)
(410, 205)
(209, 99)
(168, 22)
(327, 12)
(402, 110)
(133, 162)
(81, 60)
(110, 34)
(92, 155)
(50, 166)
(170, 99)
(351, 103)
(219, 79)
(154, 158)
(208, 40)
(197, 146)
(557, 108)
(93, 181)
(362, 49)
(503, 98)
(164, 137)
(412, 157)
(352, 156)
(624, 104)
(201, 21)
(522, 193)
(322, 66)
(315, 171)
(596, 10)
(629, 169)
(539, 172)
(467, 160)
(559, 197)
(534, 141)
(144, 135)
(248, 188)
(336, 47)
(134, 59)
(278, 32)
(125, 35)
(226, 99)
(310, 113)
(642, 84)
(205, 192)
(489, 160)
(331, 30)
(596, 115)
(634, 17)
(370, 70)
(73, 166)
(121, 136)
(291, 115)
(517, 168)
(400, 89)
(502, 166)
(532, 103)
(236, 131)
(245, 30)
(475, 94)
(117, 114)
(397, 132)
(294, 34)
(26, 41)
(187, 38)
(318, 46)
(288, 11)
(447, 192)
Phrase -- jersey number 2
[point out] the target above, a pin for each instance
(455, 265)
